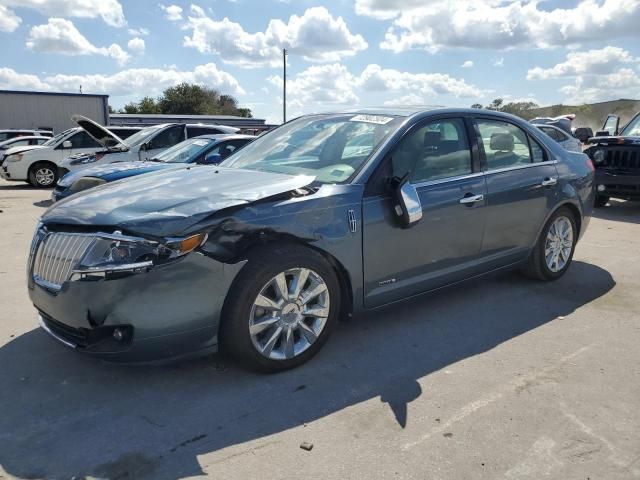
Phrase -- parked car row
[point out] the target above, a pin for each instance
(325, 216)
(13, 133)
(42, 165)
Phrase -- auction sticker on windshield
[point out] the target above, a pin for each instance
(379, 119)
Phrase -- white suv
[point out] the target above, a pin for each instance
(38, 164)
(144, 145)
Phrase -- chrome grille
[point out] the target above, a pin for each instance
(56, 256)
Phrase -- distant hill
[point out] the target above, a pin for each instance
(592, 115)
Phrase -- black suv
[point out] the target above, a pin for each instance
(616, 155)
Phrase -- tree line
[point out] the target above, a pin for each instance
(187, 99)
(524, 110)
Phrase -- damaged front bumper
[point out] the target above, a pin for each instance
(168, 311)
(618, 185)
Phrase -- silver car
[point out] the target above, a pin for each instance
(568, 142)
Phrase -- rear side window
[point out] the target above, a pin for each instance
(125, 132)
(537, 152)
(433, 151)
(505, 145)
(197, 131)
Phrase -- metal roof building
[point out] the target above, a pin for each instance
(50, 110)
(134, 119)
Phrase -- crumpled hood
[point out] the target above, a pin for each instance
(618, 140)
(166, 203)
(116, 171)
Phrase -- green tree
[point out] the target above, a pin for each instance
(189, 99)
(524, 110)
(477, 106)
(130, 108)
(148, 105)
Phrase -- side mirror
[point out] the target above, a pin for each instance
(67, 144)
(212, 159)
(603, 133)
(407, 203)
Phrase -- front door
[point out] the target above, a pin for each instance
(522, 183)
(445, 245)
(164, 139)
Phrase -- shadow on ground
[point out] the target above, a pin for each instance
(619, 211)
(65, 415)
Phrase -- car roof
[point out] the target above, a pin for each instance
(226, 136)
(25, 137)
(421, 110)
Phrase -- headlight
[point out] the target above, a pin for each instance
(85, 183)
(113, 253)
(83, 160)
(598, 155)
(16, 157)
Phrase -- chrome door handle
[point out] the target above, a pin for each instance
(549, 181)
(472, 199)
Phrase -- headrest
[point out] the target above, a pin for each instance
(432, 138)
(502, 142)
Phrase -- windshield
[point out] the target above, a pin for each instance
(184, 151)
(55, 139)
(142, 136)
(633, 128)
(329, 147)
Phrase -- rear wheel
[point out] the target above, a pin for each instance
(281, 308)
(601, 201)
(553, 252)
(43, 175)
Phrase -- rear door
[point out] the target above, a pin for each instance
(445, 245)
(522, 186)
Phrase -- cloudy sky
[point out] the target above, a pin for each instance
(342, 52)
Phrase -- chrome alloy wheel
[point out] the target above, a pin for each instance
(44, 176)
(558, 245)
(289, 313)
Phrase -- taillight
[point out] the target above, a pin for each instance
(590, 165)
(99, 156)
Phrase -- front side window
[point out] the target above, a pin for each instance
(168, 137)
(83, 140)
(505, 145)
(633, 128)
(224, 149)
(329, 147)
(434, 151)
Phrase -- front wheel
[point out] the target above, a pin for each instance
(43, 175)
(554, 250)
(281, 308)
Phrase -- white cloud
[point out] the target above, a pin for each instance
(316, 35)
(467, 64)
(595, 74)
(410, 99)
(592, 62)
(10, 79)
(499, 24)
(138, 32)
(499, 62)
(136, 45)
(133, 81)
(172, 12)
(109, 10)
(9, 21)
(62, 37)
(376, 78)
(310, 86)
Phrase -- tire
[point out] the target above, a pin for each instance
(539, 266)
(601, 201)
(254, 295)
(43, 175)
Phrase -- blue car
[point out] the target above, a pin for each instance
(205, 149)
(325, 216)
